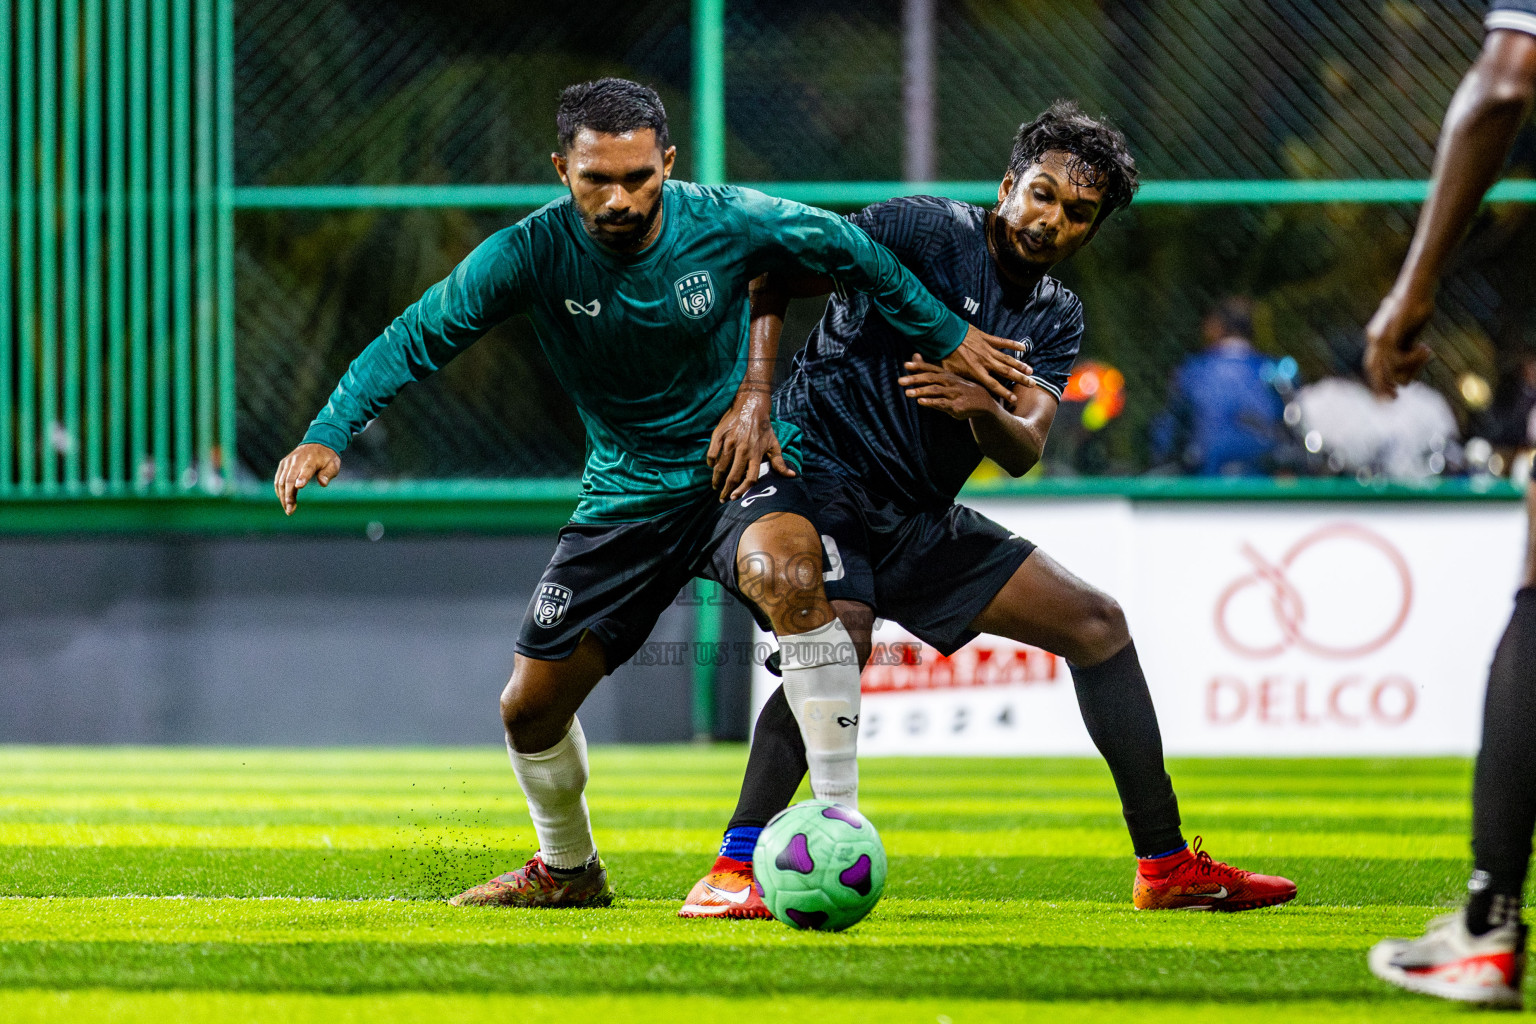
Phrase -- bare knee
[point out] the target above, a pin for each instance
(778, 567)
(532, 720)
(520, 717)
(1101, 630)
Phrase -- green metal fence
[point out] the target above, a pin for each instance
(116, 247)
(211, 206)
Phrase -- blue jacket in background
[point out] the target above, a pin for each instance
(1224, 417)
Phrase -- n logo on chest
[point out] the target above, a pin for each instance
(695, 293)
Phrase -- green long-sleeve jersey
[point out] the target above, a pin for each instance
(651, 347)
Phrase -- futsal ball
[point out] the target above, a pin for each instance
(820, 866)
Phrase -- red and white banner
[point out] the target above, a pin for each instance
(1321, 629)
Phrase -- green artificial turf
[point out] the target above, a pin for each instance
(160, 884)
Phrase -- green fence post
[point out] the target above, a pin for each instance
(706, 636)
(181, 237)
(47, 253)
(70, 335)
(138, 243)
(160, 235)
(204, 221)
(117, 247)
(26, 244)
(7, 470)
(709, 91)
(224, 125)
(94, 394)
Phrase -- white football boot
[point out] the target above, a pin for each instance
(1450, 962)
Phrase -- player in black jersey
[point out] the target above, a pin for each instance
(888, 440)
(1477, 954)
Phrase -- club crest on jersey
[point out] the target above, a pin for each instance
(552, 603)
(695, 293)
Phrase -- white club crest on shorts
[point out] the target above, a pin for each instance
(695, 293)
(552, 602)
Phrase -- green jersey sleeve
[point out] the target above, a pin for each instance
(786, 236)
(487, 287)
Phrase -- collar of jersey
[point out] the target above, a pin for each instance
(655, 251)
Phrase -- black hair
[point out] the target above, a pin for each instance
(1100, 158)
(611, 106)
(1235, 315)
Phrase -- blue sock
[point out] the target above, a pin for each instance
(739, 842)
(1168, 853)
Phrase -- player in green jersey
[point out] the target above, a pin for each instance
(637, 288)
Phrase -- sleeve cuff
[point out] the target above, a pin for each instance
(947, 338)
(329, 434)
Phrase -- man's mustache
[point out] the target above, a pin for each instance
(609, 220)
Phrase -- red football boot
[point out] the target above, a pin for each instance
(727, 891)
(1191, 880)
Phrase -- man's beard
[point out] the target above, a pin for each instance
(1009, 256)
(629, 241)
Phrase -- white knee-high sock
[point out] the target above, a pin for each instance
(555, 782)
(821, 683)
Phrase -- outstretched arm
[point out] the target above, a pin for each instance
(484, 289)
(1486, 112)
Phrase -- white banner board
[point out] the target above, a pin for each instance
(1264, 628)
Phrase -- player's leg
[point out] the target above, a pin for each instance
(1504, 784)
(775, 766)
(779, 569)
(549, 757)
(1045, 605)
(776, 762)
(595, 605)
(1477, 954)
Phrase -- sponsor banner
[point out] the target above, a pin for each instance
(1316, 629)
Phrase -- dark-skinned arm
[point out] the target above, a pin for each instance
(1488, 109)
(1014, 439)
(745, 435)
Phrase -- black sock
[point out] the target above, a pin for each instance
(1117, 709)
(566, 874)
(774, 767)
(1504, 785)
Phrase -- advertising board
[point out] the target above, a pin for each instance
(1264, 628)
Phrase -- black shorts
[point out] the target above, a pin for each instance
(932, 572)
(617, 579)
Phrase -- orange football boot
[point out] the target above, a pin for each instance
(1191, 880)
(729, 890)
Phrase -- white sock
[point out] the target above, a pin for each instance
(555, 781)
(821, 683)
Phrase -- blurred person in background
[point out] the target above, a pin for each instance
(1409, 438)
(1224, 415)
(1475, 954)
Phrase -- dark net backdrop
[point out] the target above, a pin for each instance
(386, 92)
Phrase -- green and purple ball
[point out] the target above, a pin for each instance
(820, 866)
